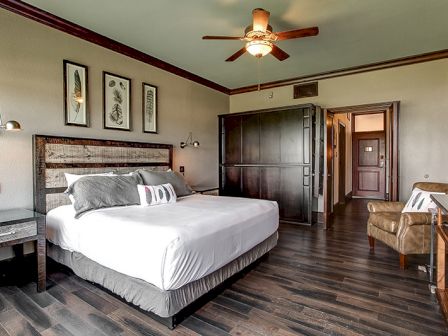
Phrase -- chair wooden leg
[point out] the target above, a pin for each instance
(403, 261)
(372, 243)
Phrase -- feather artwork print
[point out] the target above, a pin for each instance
(118, 97)
(77, 94)
(149, 106)
(116, 114)
(117, 104)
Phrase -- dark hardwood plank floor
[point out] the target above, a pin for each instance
(313, 283)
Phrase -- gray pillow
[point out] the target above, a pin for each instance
(96, 192)
(156, 178)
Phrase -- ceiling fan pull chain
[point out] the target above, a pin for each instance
(258, 73)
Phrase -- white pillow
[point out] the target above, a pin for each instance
(157, 194)
(72, 178)
(420, 201)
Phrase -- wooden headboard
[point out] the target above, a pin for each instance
(54, 156)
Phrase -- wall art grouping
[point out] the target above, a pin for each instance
(116, 100)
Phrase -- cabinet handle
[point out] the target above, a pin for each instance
(7, 233)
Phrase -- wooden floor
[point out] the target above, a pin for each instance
(314, 283)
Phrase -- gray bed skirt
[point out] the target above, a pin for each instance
(149, 297)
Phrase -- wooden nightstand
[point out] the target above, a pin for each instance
(19, 226)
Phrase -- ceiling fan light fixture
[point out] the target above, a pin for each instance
(259, 48)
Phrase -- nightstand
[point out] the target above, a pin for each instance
(207, 190)
(19, 226)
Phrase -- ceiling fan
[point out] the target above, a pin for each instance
(260, 38)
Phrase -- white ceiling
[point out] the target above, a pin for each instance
(352, 32)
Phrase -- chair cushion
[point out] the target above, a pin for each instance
(387, 221)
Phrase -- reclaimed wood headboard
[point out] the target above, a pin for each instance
(53, 156)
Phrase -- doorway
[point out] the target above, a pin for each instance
(373, 173)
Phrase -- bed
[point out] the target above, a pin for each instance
(164, 259)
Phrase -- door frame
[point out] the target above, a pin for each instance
(391, 110)
(342, 163)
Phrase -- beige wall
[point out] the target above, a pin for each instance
(31, 92)
(342, 118)
(423, 92)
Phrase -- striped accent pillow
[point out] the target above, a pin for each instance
(157, 194)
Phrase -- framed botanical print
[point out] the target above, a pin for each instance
(116, 102)
(75, 94)
(149, 107)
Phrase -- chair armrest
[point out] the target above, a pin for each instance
(382, 206)
(416, 218)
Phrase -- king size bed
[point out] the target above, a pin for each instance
(163, 259)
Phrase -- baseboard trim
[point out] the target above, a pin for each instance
(318, 217)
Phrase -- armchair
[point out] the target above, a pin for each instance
(407, 233)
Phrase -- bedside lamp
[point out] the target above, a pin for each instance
(11, 125)
(190, 142)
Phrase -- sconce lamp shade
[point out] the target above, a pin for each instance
(12, 125)
(196, 143)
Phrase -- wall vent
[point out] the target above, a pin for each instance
(305, 90)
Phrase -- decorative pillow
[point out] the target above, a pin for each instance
(96, 192)
(420, 201)
(72, 178)
(153, 178)
(158, 194)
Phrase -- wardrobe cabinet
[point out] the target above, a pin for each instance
(269, 155)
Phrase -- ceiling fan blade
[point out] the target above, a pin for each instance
(260, 19)
(207, 37)
(236, 55)
(292, 34)
(278, 53)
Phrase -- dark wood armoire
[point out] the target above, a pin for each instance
(268, 154)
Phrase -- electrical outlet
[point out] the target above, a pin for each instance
(182, 169)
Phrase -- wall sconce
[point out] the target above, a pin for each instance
(189, 142)
(11, 125)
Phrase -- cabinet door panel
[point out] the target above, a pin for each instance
(232, 140)
(270, 183)
(270, 137)
(291, 128)
(251, 182)
(292, 194)
(231, 181)
(251, 138)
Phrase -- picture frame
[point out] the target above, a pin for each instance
(149, 108)
(76, 98)
(116, 102)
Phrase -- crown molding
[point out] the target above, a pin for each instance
(51, 20)
(427, 57)
(48, 19)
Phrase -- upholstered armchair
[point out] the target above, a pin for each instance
(407, 233)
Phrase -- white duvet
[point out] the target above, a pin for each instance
(166, 245)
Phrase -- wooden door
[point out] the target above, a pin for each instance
(341, 163)
(369, 178)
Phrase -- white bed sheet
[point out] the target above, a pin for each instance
(166, 245)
